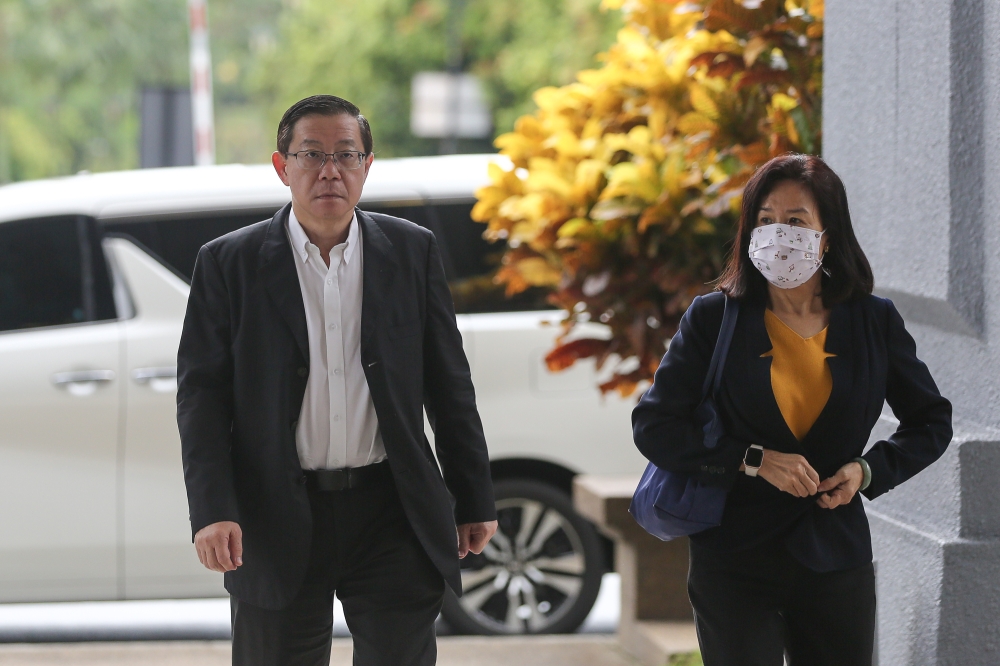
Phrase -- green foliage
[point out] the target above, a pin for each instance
(72, 72)
(67, 92)
(368, 52)
(690, 659)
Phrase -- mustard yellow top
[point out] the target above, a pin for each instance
(800, 375)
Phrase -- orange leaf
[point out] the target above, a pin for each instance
(566, 354)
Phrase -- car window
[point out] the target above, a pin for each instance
(52, 273)
(470, 261)
(175, 241)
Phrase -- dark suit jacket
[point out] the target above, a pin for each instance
(242, 368)
(875, 362)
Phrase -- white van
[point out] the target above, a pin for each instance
(94, 273)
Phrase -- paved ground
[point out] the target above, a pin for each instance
(578, 650)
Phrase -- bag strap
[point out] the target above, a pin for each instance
(713, 378)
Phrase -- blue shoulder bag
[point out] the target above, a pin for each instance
(670, 505)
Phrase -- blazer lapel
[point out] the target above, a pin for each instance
(379, 272)
(838, 343)
(276, 268)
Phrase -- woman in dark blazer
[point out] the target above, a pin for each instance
(813, 359)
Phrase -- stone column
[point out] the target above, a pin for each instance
(912, 124)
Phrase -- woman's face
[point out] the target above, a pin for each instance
(793, 204)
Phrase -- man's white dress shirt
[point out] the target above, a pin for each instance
(337, 425)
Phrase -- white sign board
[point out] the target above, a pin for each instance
(448, 105)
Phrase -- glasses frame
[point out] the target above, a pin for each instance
(327, 157)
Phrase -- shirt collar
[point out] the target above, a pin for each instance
(300, 241)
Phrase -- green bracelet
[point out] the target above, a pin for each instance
(867, 471)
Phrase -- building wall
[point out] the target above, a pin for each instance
(912, 124)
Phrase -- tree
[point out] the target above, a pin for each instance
(72, 71)
(67, 92)
(626, 184)
(369, 51)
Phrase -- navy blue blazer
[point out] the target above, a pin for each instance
(875, 362)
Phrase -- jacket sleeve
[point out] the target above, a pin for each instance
(664, 426)
(205, 397)
(924, 430)
(450, 400)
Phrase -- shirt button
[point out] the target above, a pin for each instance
(333, 326)
(336, 371)
(336, 417)
(330, 281)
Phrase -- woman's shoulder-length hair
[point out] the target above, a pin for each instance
(847, 273)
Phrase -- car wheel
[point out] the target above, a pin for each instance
(541, 572)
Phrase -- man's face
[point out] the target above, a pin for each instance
(330, 193)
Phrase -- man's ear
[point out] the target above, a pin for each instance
(279, 162)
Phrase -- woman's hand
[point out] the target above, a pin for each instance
(841, 487)
(789, 472)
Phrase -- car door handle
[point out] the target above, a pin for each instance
(82, 382)
(143, 375)
(162, 379)
(83, 377)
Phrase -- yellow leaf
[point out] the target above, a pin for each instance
(703, 103)
(704, 227)
(793, 132)
(753, 49)
(784, 102)
(694, 122)
(537, 272)
(578, 226)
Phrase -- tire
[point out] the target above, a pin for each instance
(536, 577)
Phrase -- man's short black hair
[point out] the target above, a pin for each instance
(323, 105)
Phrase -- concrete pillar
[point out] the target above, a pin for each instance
(912, 124)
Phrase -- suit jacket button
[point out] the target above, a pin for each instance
(712, 470)
(302, 480)
(302, 372)
(704, 468)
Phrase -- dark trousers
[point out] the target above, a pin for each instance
(364, 549)
(753, 607)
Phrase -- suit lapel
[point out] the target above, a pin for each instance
(838, 343)
(379, 272)
(276, 268)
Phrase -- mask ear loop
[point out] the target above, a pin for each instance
(826, 271)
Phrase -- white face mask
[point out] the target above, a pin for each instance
(787, 256)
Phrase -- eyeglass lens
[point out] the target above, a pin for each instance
(314, 159)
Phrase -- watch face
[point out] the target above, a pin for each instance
(754, 457)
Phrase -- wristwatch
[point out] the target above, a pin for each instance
(753, 459)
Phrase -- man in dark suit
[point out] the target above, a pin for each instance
(313, 342)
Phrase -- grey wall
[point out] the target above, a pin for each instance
(912, 124)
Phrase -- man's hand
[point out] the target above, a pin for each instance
(789, 472)
(841, 487)
(220, 546)
(473, 537)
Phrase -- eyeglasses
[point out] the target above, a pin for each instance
(315, 159)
